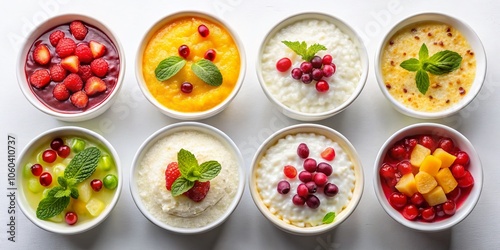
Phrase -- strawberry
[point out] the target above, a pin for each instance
(84, 72)
(65, 47)
(55, 37)
(41, 54)
(171, 174)
(99, 67)
(98, 49)
(198, 191)
(40, 78)
(78, 30)
(57, 73)
(83, 52)
(60, 92)
(73, 82)
(328, 154)
(94, 85)
(79, 99)
(71, 63)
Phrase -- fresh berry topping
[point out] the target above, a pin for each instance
(317, 62)
(171, 174)
(411, 143)
(446, 144)
(305, 176)
(203, 30)
(312, 201)
(36, 169)
(97, 49)
(85, 72)
(387, 171)
(466, 181)
(410, 212)
(398, 152)
(311, 187)
(40, 78)
(99, 67)
(302, 190)
(327, 59)
(462, 158)
(55, 37)
(331, 189)
(306, 67)
(325, 168)
(71, 218)
(41, 54)
(428, 214)
(328, 70)
(49, 156)
(427, 142)
(290, 171)
(298, 200)
(449, 207)
(63, 151)
(186, 87)
(404, 167)
(198, 192)
(322, 86)
(78, 30)
(398, 200)
(210, 55)
(417, 199)
(60, 92)
(73, 82)
(310, 165)
(57, 73)
(296, 73)
(303, 150)
(66, 47)
(184, 51)
(71, 63)
(45, 179)
(328, 154)
(283, 187)
(96, 184)
(320, 179)
(317, 74)
(56, 143)
(79, 99)
(84, 54)
(94, 85)
(306, 78)
(283, 64)
(458, 171)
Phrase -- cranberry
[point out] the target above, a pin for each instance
(306, 78)
(398, 200)
(428, 214)
(331, 189)
(306, 67)
(446, 144)
(417, 199)
(45, 179)
(36, 169)
(303, 151)
(387, 171)
(296, 73)
(283, 64)
(411, 143)
(186, 87)
(302, 190)
(63, 151)
(458, 171)
(327, 59)
(405, 167)
(310, 165)
(49, 156)
(410, 212)
(320, 179)
(317, 62)
(449, 207)
(322, 86)
(317, 74)
(427, 142)
(391, 182)
(71, 218)
(325, 168)
(311, 187)
(328, 70)
(96, 184)
(439, 210)
(298, 200)
(462, 158)
(466, 181)
(56, 143)
(398, 152)
(454, 194)
(210, 55)
(283, 187)
(312, 201)
(305, 176)
(203, 30)
(184, 51)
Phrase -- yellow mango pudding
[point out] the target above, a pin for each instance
(190, 65)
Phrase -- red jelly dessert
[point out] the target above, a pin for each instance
(72, 67)
(426, 177)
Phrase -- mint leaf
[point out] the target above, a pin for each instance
(181, 185)
(411, 64)
(51, 206)
(74, 193)
(62, 181)
(62, 193)
(329, 218)
(301, 49)
(82, 165)
(187, 163)
(169, 67)
(422, 79)
(423, 54)
(208, 72)
(209, 170)
(442, 62)
(312, 50)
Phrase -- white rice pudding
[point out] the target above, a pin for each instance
(303, 97)
(270, 172)
(181, 211)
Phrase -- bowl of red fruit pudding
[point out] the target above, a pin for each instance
(306, 179)
(428, 177)
(312, 66)
(69, 180)
(71, 67)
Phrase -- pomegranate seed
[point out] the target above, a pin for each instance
(466, 181)
(328, 70)
(398, 152)
(306, 67)
(283, 64)
(317, 62)
(184, 51)
(312, 201)
(96, 184)
(462, 158)
(56, 143)
(311, 187)
(405, 167)
(449, 207)
(71, 218)
(320, 179)
(322, 86)
(45, 179)
(428, 214)
(306, 78)
(446, 144)
(458, 171)
(210, 55)
(302, 190)
(186, 87)
(427, 142)
(331, 189)
(296, 73)
(303, 151)
(64, 151)
(310, 165)
(327, 59)
(49, 156)
(328, 154)
(36, 169)
(203, 30)
(298, 200)
(325, 168)
(410, 212)
(387, 171)
(283, 187)
(290, 171)
(317, 74)
(417, 199)
(398, 200)
(305, 176)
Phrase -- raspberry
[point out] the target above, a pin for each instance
(73, 82)
(78, 30)
(57, 73)
(55, 37)
(171, 174)
(198, 191)
(79, 99)
(85, 72)
(41, 54)
(60, 92)
(66, 47)
(99, 67)
(84, 54)
(40, 78)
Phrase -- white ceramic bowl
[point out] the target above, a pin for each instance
(475, 168)
(310, 116)
(188, 115)
(26, 86)
(318, 130)
(170, 130)
(43, 141)
(474, 42)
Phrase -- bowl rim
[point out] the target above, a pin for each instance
(329, 133)
(441, 130)
(53, 226)
(41, 29)
(188, 115)
(472, 38)
(168, 130)
(345, 28)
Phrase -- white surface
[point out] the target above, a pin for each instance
(250, 118)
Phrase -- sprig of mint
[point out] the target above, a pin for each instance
(329, 218)
(204, 69)
(442, 62)
(301, 49)
(191, 171)
(169, 67)
(81, 167)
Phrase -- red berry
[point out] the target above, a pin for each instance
(49, 156)
(397, 152)
(56, 143)
(320, 179)
(66, 47)
(387, 171)
(325, 168)
(85, 72)
(83, 52)
(296, 73)
(79, 99)
(60, 92)
(210, 55)
(312, 201)
(63, 151)
(322, 86)
(327, 59)
(57, 73)
(99, 67)
(417, 199)
(458, 171)
(96, 184)
(462, 158)
(331, 189)
(283, 187)
(41, 54)
(305, 176)
(73, 82)
(283, 64)
(411, 143)
(184, 51)
(317, 62)
(449, 207)
(427, 142)
(328, 70)
(306, 67)
(186, 87)
(45, 179)
(310, 165)
(55, 37)
(290, 171)
(439, 210)
(298, 200)
(98, 49)
(36, 169)
(306, 78)
(71, 63)
(40, 78)
(466, 181)
(428, 214)
(302, 190)
(203, 30)
(398, 200)
(404, 167)
(317, 74)
(303, 150)
(94, 86)
(78, 30)
(328, 154)
(199, 191)
(171, 174)
(71, 218)
(410, 212)
(311, 187)
(446, 144)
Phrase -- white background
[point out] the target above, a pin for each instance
(251, 118)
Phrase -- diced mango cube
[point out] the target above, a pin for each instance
(406, 184)
(436, 196)
(80, 207)
(425, 182)
(84, 191)
(95, 207)
(431, 165)
(446, 158)
(446, 180)
(418, 154)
